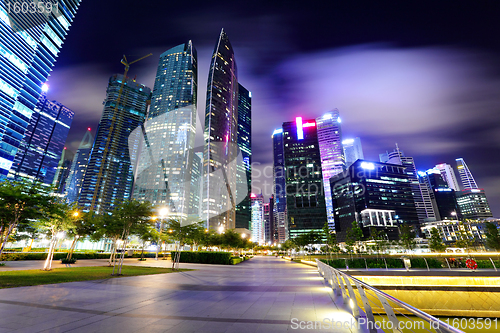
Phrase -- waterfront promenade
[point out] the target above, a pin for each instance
(265, 294)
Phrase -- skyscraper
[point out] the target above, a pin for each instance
(220, 134)
(257, 227)
(473, 204)
(375, 195)
(29, 45)
(109, 177)
(78, 167)
(465, 175)
(195, 193)
(163, 174)
(449, 175)
(421, 191)
(332, 155)
(446, 200)
(305, 199)
(352, 150)
(244, 170)
(62, 171)
(279, 186)
(40, 150)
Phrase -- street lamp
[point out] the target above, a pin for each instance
(75, 214)
(243, 236)
(221, 229)
(455, 214)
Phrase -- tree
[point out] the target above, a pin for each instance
(131, 215)
(354, 235)
(20, 203)
(492, 236)
(146, 233)
(83, 226)
(56, 219)
(407, 237)
(330, 237)
(380, 239)
(436, 242)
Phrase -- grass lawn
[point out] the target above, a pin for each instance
(34, 277)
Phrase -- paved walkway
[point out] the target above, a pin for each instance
(265, 294)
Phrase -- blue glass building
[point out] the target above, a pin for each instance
(27, 54)
(109, 177)
(244, 169)
(279, 177)
(39, 152)
(78, 167)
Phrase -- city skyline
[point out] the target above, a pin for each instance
(431, 78)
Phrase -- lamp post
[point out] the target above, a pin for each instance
(163, 213)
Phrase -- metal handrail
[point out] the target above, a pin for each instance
(443, 327)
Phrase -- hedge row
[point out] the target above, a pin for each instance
(380, 263)
(57, 256)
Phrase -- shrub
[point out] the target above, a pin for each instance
(236, 260)
(221, 258)
(487, 264)
(68, 261)
(2, 264)
(420, 263)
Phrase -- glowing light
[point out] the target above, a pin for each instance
(221, 229)
(300, 130)
(252, 195)
(421, 173)
(309, 125)
(88, 128)
(243, 235)
(351, 303)
(368, 165)
(64, 148)
(347, 141)
(45, 87)
(277, 131)
(339, 120)
(475, 190)
(327, 116)
(163, 212)
(75, 214)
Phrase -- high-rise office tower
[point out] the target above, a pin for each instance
(332, 154)
(446, 200)
(352, 150)
(473, 204)
(109, 177)
(429, 200)
(40, 150)
(163, 173)
(279, 186)
(421, 192)
(62, 171)
(195, 193)
(220, 134)
(29, 45)
(273, 231)
(465, 175)
(257, 227)
(244, 169)
(376, 195)
(305, 199)
(267, 223)
(78, 167)
(449, 175)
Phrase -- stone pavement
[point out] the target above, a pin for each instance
(265, 294)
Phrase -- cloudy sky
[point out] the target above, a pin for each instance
(425, 75)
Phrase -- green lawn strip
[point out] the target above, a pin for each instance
(35, 277)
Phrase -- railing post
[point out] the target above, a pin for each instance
(426, 264)
(353, 303)
(342, 288)
(336, 282)
(447, 263)
(390, 314)
(367, 307)
(493, 265)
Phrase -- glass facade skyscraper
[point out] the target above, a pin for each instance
(449, 175)
(109, 176)
(473, 204)
(465, 175)
(244, 170)
(353, 150)
(279, 186)
(220, 135)
(40, 150)
(78, 167)
(305, 199)
(29, 46)
(377, 195)
(332, 154)
(165, 163)
(62, 172)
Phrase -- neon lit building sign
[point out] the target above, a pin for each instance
(309, 125)
(300, 130)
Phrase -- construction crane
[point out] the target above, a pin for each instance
(127, 64)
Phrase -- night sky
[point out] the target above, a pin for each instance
(423, 74)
